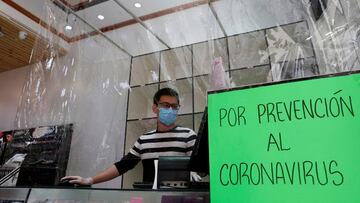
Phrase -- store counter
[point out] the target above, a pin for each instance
(64, 195)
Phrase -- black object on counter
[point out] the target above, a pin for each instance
(47, 154)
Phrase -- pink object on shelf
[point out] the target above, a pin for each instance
(136, 200)
(218, 78)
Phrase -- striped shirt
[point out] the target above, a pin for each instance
(177, 142)
(149, 146)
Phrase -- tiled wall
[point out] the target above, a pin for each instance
(261, 56)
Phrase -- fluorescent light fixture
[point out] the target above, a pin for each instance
(137, 5)
(100, 17)
(68, 27)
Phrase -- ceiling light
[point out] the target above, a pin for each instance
(23, 35)
(137, 5)
(101, 17)
(68, 27)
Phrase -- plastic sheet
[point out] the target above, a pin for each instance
(107, 93)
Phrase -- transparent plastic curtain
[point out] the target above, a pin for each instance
(258, 41)
(87, 87)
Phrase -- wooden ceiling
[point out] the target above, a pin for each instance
(16, 52)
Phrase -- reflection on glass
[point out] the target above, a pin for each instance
(248, 50)
(197, 121)
(141, 101)
(289, 42)
(175, 64)
(201, 87)
(204, 54)
(295, 69)
(250, 76)
(145, 69)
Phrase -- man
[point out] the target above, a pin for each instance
(167, 140)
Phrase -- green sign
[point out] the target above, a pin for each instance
(288, 142)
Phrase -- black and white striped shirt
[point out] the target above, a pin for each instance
(177, 142)
(149, 146)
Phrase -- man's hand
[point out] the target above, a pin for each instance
(78, 180)
(194, 177)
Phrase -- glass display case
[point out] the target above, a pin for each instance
(72, 195)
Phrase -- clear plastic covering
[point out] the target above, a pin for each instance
(105, 82)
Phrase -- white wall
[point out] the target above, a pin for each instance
(11, 84)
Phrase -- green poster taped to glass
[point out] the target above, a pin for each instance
(293, 142)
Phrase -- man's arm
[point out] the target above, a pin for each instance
(126, 163)
(108, 174)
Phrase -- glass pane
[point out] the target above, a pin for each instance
(249, 76)
(206, 52)
(145, 69)
(201, 87)
(175, 64)
(289, 42)
(185, 121)
(248, 50)
(197, 121)
(141, 101)
(294, 69)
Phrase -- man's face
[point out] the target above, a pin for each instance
(165, 102)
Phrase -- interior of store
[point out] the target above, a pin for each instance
(89, 68)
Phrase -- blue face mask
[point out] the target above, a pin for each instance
(167, 116)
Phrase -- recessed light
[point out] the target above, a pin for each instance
(23, 35)
(137, 5)
(101, 17)
(68, 27)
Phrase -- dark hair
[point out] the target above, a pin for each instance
(165, 92)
